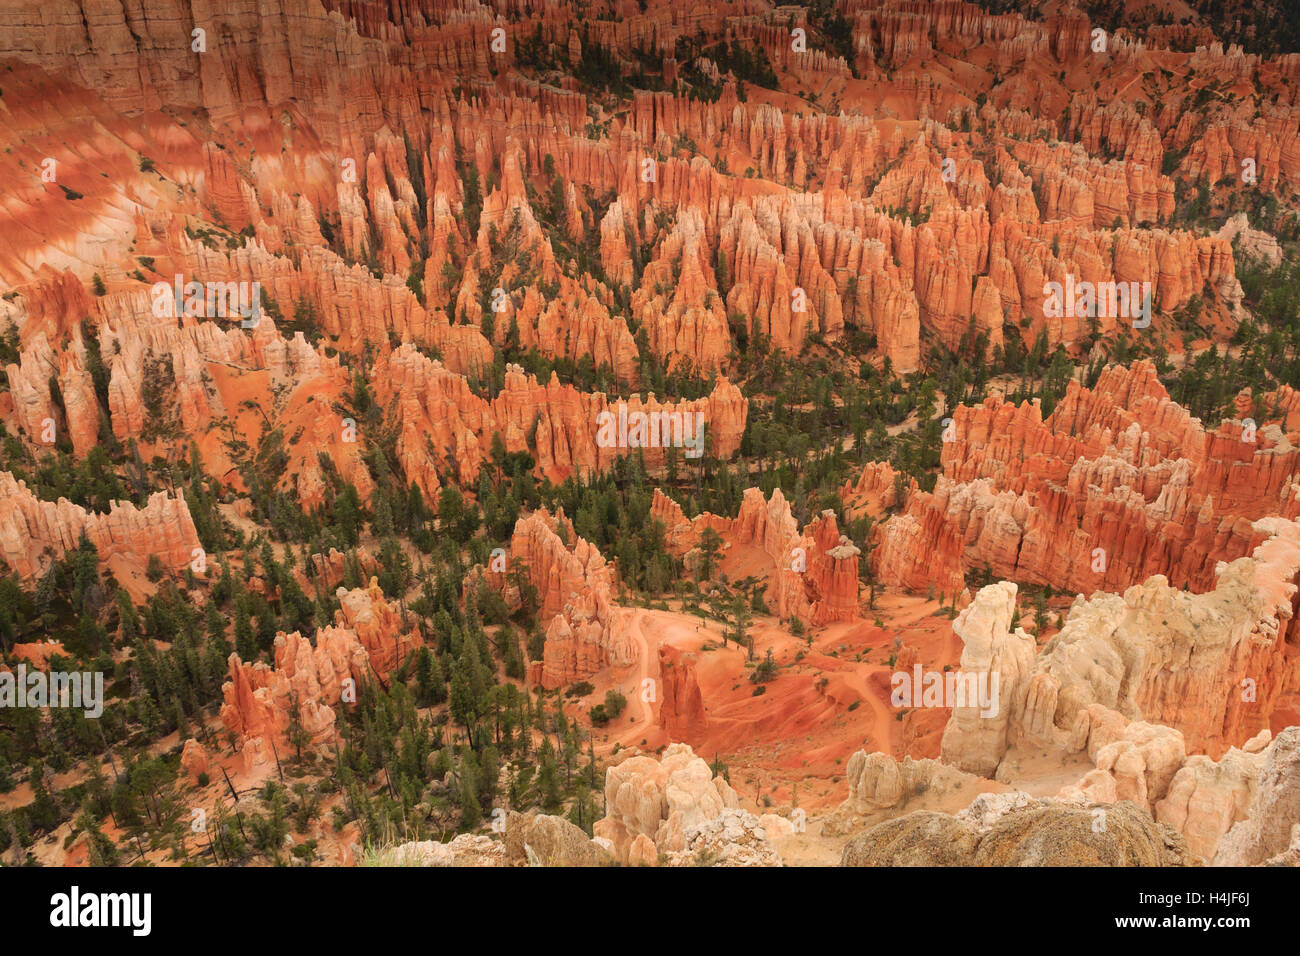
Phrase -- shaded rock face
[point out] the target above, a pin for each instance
(329, 568)
(553, 841)
(194, 760)
(769, 526)
(881, 785)
(1037, 834)
(1206, 798)
(1119, 483)
(923, 838)
(1269, 828)
(1068, 836)
(466, 849)
(681, 712)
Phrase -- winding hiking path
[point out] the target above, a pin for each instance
(643, 671)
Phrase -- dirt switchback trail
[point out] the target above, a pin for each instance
(643, 670)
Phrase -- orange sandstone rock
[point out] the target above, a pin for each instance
(33, 531)
(586, 630)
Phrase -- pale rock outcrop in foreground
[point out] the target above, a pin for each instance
(1206, 797)
(1015, 830)
(1139, 683)
(1208, 667)
(734, 837)
(1080, 826)
(973, 740)
(551, 841)
(529, 839)
(881, 785)
(651, 804)
(670, 811)
(1269, 829)
(467, 849)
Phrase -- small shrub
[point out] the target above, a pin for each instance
(615, 703)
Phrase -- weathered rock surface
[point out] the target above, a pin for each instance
(388, 635)
(194, 759)
(466, 849)
(881, 785)
(661, 800)
(1038, 833)
(553, 841)
(1206, 797)
(1210, 666)
(681, 712)
(557, 424)
(734, 837)
(1269, 827)
(260, 701)
(585, 629)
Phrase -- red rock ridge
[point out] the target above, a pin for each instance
(585, 629)
(1120, 468)
(34, 532)
(259, 700)
(814, 573)
(681, 712)
(387, 634)
(556, 423)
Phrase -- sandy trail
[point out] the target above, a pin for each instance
(651, 629)
(882, 717)
(643, 671)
